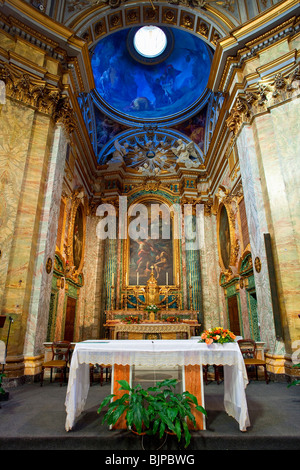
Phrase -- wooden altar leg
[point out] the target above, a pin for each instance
(193, 383)
(120, 373)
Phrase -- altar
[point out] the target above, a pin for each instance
(148, 313)
(188, 355)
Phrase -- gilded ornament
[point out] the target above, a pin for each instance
(257, 264)
(49, 264)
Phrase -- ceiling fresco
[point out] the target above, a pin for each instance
(151, 91)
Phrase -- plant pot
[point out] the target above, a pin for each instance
(4, 396)
(170, 433)
(134, 431)
(2, 320)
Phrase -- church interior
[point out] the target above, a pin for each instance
(109, 108)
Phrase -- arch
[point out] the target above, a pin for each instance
(210, 23)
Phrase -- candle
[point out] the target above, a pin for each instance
(126, 280)
(113, 279)
(167, 278)
(190, 279)
(137, 279)
(178, 279)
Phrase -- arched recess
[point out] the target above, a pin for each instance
(210, 23)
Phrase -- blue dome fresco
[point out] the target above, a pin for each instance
(156, 89)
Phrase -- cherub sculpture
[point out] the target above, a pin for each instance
(183, 152)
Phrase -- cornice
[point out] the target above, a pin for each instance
(20, 19)
(245, 41)
(262, 96)
(38, 94)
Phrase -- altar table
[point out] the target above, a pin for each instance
(159, 354)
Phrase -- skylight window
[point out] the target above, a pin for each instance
(150, 41)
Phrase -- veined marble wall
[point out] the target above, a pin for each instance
(88, 317)
(257, 225)
(25, 148)
(214, 308)
(277, 137)
(41, 288)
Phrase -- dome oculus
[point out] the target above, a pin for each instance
(150, 41)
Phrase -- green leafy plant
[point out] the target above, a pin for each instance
(156, 410)
(132, 403)
(170, 410)
(296, 381)
(2, 391)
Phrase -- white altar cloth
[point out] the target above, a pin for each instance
(158, 354)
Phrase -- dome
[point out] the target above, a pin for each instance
(152, 86)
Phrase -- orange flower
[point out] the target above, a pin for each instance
(231, 335)
(208, 340)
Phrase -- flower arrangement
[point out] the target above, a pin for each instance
(152, 308)
(217, 335)
(172, 319)
(132, 319)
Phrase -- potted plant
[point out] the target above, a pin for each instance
(3, 394)
(170, 411)
(156, 410)
(296, 381)
(132, 403)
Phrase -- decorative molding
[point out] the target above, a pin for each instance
(38, 94)
(263, 95)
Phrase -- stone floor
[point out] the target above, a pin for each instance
(34, 418)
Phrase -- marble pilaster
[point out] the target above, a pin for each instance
(41, 288)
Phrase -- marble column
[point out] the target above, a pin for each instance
(257, 226)
(41, 286)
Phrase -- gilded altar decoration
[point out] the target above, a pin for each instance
(131, 319)
(172, 319)
(217, 335)
(152, 308)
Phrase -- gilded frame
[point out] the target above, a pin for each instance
(147, 199)
(76, 206)
(230, 237)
